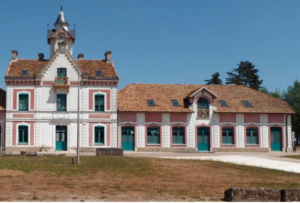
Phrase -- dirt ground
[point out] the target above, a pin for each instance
(171, 180)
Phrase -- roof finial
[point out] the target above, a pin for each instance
(61, 8)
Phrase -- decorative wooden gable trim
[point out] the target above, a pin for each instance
(202, 89)
(61, 32)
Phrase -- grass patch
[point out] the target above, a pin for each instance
(63, 165)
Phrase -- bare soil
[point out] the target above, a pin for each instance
(156, 180)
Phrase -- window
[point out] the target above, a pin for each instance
(247, 103)
(151, 102)
(61, 102)
(24, 72)
(99, 102)
(23, 134)
(153, 135)
(178, 135)
(223, 103)
(227, 135)
(23, 102)
(98, 73)
(99, 135)
(175, 102)
(252, 135)
(61, 72)
(202, 103)
(202, 108)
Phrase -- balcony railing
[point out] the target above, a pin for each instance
(203, 113)
(62, 83)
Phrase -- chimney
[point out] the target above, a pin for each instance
(14, 55)
(80, 56)
(108, 56)
(41, 56)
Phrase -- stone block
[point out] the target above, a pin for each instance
(252, 195)
(290, 195)
(31, 153)
(23, 153)
(109, 151)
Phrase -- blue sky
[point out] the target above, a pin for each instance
(165, 41)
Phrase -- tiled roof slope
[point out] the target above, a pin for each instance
(35, 66)
(133, 98)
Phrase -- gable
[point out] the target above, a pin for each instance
(61, 59)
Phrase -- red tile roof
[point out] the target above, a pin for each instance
(34, 66)
(133, 98)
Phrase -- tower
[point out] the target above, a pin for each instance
(61, 34)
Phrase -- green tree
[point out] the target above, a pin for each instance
(292, 96)
(215, 80)
(245, 74)
(273, 94)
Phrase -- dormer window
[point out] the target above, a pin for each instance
(202, 108)
(98, 73)
(151, 102)
(223, 103)
(247, 103)
(61, 72)
(24, 72)
(175, 102)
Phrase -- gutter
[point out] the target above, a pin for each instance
(286, 134)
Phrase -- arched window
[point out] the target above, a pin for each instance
(202, 108)
(202, 103)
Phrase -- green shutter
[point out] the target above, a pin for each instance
(23, 102)
(99, 102)
(61, 102)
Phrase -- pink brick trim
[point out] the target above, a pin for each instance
(275, 118)
(227, 118)
(23, 115)
(153, 117)
(92, 99)
(251, 118)
(15, 132)
(15, 97)
(99, 116)
(91, 129)
(178, 117)
(127, 117)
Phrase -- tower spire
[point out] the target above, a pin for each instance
(61, 20)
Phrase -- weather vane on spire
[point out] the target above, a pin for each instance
(61, 8)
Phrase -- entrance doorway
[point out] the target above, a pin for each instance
(276, 139)
(203, 137)
(61, 138)
(128, 138)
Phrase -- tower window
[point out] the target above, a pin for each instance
(24, 72)
(98, 73)
(61, 72)
(247, 103)
(151, 102)
(175, 102)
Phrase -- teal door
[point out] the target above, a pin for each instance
(276, 139)
(128, 138)
(203, 137)
(61, 138)
(0, 136)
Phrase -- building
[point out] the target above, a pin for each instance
(2, 117)
(42, 98)
(221, 118)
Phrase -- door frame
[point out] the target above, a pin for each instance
(135, 135)
(210, 136)
(68, 137)
(282, 136)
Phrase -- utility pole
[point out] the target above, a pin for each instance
(78, 155)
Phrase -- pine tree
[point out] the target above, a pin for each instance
(245, 74)
(215, 80)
